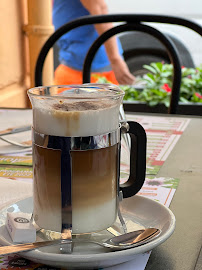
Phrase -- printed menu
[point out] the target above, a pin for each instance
(162, 135)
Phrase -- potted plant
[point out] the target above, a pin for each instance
(154, 94)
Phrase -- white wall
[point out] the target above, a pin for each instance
(190, 9)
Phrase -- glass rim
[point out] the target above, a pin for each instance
(114, 89)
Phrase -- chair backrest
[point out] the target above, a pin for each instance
(133, 22)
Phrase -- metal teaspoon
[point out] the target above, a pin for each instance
(124, 241)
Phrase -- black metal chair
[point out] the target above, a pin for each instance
(132, 23)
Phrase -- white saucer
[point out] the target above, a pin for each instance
(143, 212)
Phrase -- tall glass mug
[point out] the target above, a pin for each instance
(76, 156)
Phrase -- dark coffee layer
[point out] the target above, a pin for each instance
(94, 174)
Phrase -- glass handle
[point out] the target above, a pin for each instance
(137, 158)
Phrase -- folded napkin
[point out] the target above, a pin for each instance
(12, 191)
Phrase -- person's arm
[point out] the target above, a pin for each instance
(121, 71)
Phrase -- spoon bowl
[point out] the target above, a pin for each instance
(132, 239)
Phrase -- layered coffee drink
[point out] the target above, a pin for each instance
(94, 170)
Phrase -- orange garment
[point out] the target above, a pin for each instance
(65, 75)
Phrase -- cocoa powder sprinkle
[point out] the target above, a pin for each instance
(81, 106)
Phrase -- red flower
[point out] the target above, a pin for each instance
(166, 87)
(183, 67)
(198, 95)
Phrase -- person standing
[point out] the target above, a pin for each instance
(74, 45)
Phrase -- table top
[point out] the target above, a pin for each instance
(182, 250)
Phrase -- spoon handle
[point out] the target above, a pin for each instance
(5, 250)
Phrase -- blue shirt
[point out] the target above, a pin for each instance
(74, 45)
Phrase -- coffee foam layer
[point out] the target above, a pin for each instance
(76, 119)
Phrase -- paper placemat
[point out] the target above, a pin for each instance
(162, 135)
(20, 173)
(22, 160)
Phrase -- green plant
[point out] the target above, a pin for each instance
(158, 83)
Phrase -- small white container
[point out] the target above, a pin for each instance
(20, 228)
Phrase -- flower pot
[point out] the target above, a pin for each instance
(183, 108)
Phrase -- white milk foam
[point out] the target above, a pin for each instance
(59, 122)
